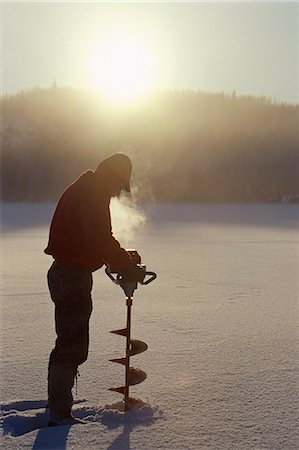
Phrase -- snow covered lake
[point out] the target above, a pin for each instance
(221, 323)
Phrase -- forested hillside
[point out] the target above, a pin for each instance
(185, 145)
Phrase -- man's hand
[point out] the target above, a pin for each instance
(133, 273)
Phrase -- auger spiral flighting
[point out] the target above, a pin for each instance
(133, 346)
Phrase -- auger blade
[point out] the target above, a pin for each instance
(136, 376)
(119, 360)
(120, 390)
(137, 347)
(122, 332)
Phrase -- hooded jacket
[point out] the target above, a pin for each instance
(80, 231)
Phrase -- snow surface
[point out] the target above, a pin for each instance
(221, 323)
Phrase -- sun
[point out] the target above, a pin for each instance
(122, 66)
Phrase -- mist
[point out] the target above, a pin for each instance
(127, 218)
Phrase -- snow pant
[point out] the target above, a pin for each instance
(70, 288)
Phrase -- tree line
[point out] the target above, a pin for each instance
(185, 145)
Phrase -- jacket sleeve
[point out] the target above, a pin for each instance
(99, 237)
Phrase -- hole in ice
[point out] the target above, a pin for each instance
(135, 405)
(140, 413)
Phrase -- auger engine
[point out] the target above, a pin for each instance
(133, 346)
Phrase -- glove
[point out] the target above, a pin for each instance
(135, 257)
(133, 273)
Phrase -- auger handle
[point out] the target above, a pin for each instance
(153, 276)
(107, 270)
(116, 279)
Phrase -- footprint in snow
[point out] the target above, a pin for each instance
(21, 417)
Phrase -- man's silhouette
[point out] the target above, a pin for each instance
(81, 241)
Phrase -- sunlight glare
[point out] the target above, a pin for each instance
(122, 66)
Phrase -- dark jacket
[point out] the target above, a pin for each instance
(80, 231)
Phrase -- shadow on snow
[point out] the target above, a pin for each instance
(22, 417)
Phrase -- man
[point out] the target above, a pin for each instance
(81, 241)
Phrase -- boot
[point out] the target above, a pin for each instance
(67, 421)
(60, 399)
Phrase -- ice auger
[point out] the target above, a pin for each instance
(133, 346)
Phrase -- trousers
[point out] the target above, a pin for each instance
(70, 288)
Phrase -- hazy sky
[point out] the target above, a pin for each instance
(249, 47)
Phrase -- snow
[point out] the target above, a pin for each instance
(221, 323)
